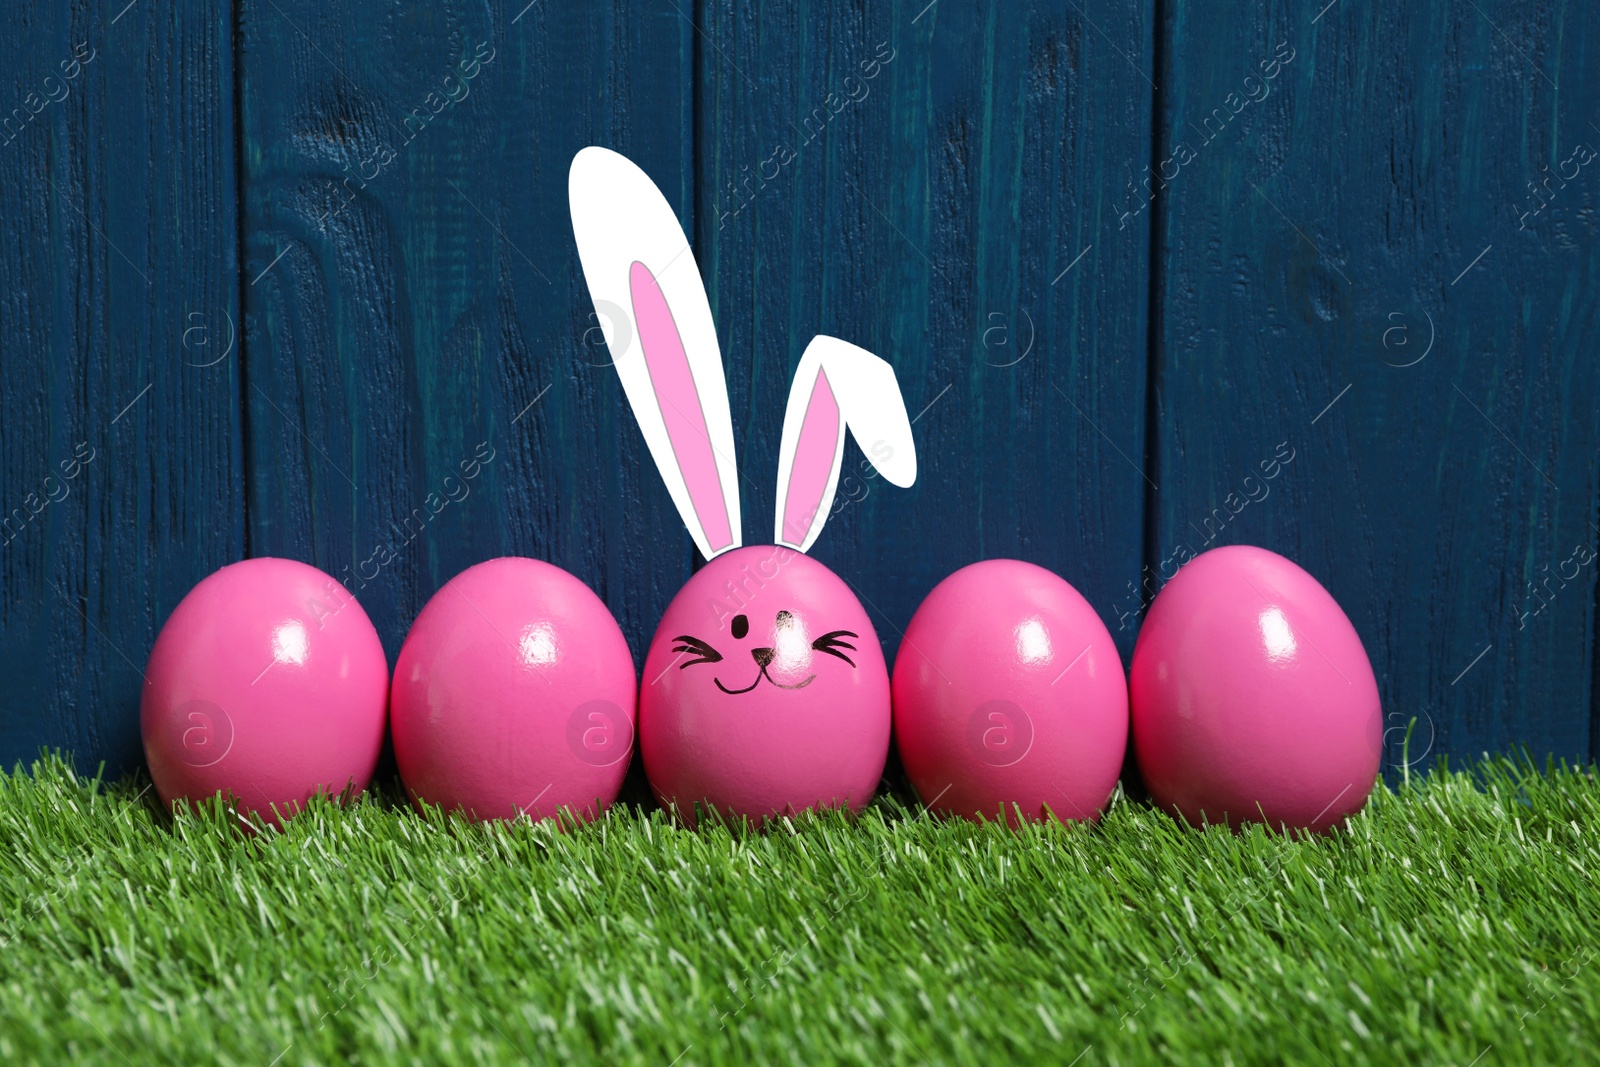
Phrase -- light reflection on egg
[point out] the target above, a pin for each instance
(538, 646)
(1033, 642)
(1276, 637)
(289, 643)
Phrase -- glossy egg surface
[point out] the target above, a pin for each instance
(1252, 696)
(514, 695)
(765, 691)
(1009, 697)
(267, 683)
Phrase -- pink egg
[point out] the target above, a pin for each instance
(1253, 699)
(765, 691)
(514, 695)
(268, 683)
(1009, 696)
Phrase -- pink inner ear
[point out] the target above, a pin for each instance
(673, 382)
(813, 461)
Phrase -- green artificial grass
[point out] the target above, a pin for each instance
(1453, 921)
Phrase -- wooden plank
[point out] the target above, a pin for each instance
(1352, 269)
(938, 186)
(119, 449)
(414, 301)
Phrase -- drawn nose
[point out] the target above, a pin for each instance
(763, 656)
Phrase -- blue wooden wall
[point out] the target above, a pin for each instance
(1155, 278)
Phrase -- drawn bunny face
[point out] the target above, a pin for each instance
(773, 701)
(764, 689)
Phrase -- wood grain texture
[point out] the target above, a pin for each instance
(414, 300)
(937, 187)
(120, 469)
(1350, 233)
(1122, 273)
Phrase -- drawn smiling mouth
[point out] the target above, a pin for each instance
(760, 675)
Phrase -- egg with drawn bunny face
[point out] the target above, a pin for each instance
(765, 691)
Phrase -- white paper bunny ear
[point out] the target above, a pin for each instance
(837, 385)
(646, 285)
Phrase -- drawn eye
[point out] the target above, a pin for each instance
(832, 641)
(693, 646)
